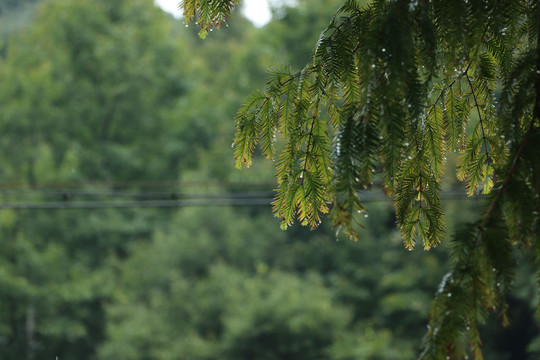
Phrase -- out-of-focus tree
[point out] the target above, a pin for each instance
(209, 287)
(90, 92)
(120, 92)
(9, 5)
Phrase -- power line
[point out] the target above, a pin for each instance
(134, 195)
(52, 205)
(189, 200)
(139, 183)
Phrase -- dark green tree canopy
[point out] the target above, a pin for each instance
(393, 87)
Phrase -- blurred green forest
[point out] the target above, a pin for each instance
(126, 233)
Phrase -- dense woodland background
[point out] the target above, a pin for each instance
(103, 102)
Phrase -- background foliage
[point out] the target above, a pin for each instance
(105, 102)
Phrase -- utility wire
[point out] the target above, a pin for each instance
(52, 205)
(133, 195)
(125, 184)
(244, 198)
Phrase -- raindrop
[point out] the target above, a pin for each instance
(383, 50)
(187, 25)
(365, 215)
(373, 66)
(449, 294)
(468, 328)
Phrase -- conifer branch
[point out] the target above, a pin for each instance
(479, 114)
(432, 107)
(448, 86)
(390, 41)
(310, 137)
(536, 116)
(511, 170)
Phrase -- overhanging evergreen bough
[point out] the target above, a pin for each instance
(392, 87)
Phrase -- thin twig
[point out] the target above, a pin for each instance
(479, 115)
